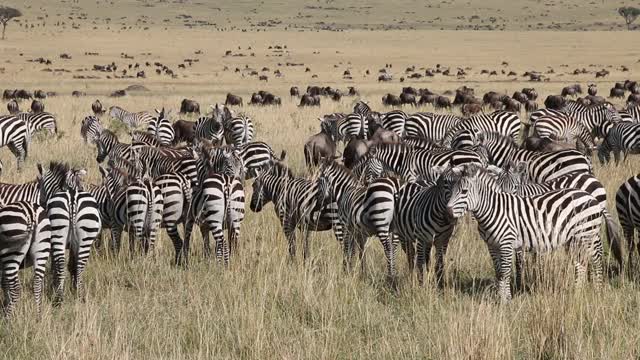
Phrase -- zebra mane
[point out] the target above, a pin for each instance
(59, 168)
(280, 170)
(340, 168)
(380, 147)
(109, 134)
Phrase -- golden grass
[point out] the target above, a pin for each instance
(264, 306)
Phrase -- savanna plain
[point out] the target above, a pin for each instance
(265, 305)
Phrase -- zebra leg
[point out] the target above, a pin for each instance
(204, 231)
(441, 242)
(116, 235)
(616, 156)
(629, 235)
(597, 267)
(519, 268)
(424, 253)
(305, 242)
(290, 233)
(233, 234)
(362, 242)
(73, 268)
(410, 250)
(10, 286)
(184, 252)
(78, 283)
(218, 238)
(58, 269)
(505, 256)
(174, 235)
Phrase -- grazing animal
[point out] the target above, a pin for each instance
(37, 106)
(232, 100)
(619, 137)
(97, 108)
(90, 129)
(511, 224)
(320, 146)
(161, 129)
(184, 131)
(39, 121)
(13, 107)
(188, 106)
(132, 120)
(15, 133)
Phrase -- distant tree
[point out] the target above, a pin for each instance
(630, 14)
(6, 14)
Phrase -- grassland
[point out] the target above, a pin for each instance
(265, 306)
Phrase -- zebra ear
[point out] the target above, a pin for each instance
(480, 138)
(103, 171)
(40, 170)
(283, 155)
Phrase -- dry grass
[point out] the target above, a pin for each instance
(265, 306)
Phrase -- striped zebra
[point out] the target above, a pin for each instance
(14, 133)
(631, 113)
(394, 121)
(145, 138)
(238, 130)
(39, 121)
(25, 239)
(510, 223)
(431, 126)
(159, 164)
(75, 223)
(362, 211)
(90, 129)
(295, 203)
(620, 137)
(177, 196)
(628, 206)
(421, 143)
(50, 180)
(131, 120)
(409, 163)
(255, 156)
(500, 122)
(109, 145)
(209, 127)
(101, 194)
(513, 179)
(218, 204)
(346, 127)
(541, 167)
(557, 124)
(421, 214)
(161, 129)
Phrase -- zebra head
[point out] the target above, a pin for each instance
(510, 178)
(104, 144)
(91, 129)
(51, 179)
(459, 201)
(75, 179)
(116, 112)
(274, 172)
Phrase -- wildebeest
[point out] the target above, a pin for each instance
(530, 106)
(315, 90)
(634, 98)
(545, 144)
(188, 106)
(592, 90)
(571, 90)
(184, 131)
(428, 99)
(353, 151)
(410, 90)
(511, 105)
(118, 93)
(23, 94)
(385, 77)
(97, 108)
(320, 146)
(37, 106)
(256, 99)
(616, 93)
(391, 100)
(78, 93)
(353, 91)
(531, 93)
(13, 107)
(602, 73)
(520, 97)
(233, 100)
(408, 98)
(442, 102)
(39, 94)
(471, 109)
(336, 95)
(595, 100)
(8, 94)
(309, 100)
(555, 102)
(294, 91)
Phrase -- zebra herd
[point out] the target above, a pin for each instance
(420, 173)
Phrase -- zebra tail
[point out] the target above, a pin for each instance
(613, 237)
(150, 207)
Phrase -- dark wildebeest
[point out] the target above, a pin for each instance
(39, 94)
(443, 102)
(384, 77)
(78, 93)
(355, 149)
(531, 93)
(268, 98)
(320, 146)
(530, 106)
(37, 106)
(188, 106)
(184, 131)
(315, 90)
(309, 100)
(520, 97)
(634, 98)
(545, 144)
(511, 105)
(428, 99)
(294, 91)
(391, 100)
(13, 107)
(97, 108)
(616, 93)
(464, 98)
(23, 94)
(595, 100)
(571, 90)
(471, 109)
(119, 93)
(263, 78)
(408, 98)
(8, 94)
(491, 97)
(233, 100)
(353, 91)
(555, 102)
(336, 95)
(592, 90)
(410, 90)
(256, 99)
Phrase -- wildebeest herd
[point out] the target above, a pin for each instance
(404, 178)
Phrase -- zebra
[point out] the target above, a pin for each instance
(621, 137)
(15, 134)
(109, 145)
(562, 126)
(218, 204)
(145, 138)
(631, 113)
(295, 203)
(541, 167)
(210, 127)
(539, 223)
(421, 143)
(409, 163)
(160, 164)
(238, 130)
(431, 126)
(90, 129)
(513, 179)
(75, 223)
(421, 213)
(161, 129)
(362, 211)
(557, 122)
(255, 156)
(39, 121)
(347, 127)
(25, 239)
(500, 122)
(50, 180)
(131, 120)
(395, 121)
(628, 206)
